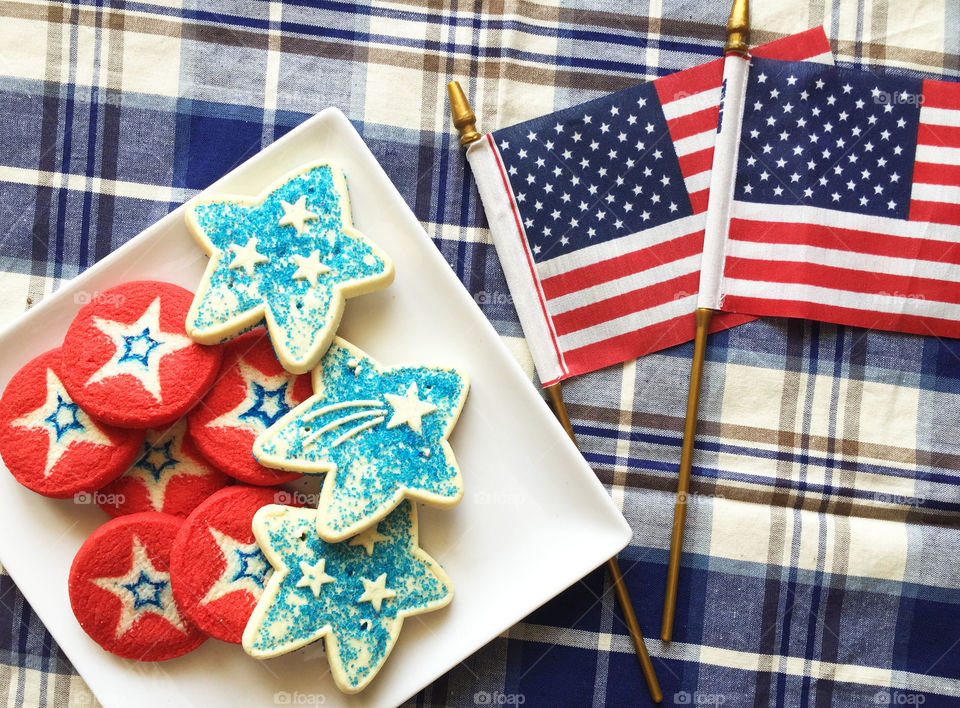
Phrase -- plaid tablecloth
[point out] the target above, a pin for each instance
(821, 563)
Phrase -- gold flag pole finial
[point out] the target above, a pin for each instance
(464, 119)
(738, 27)
(738, 33)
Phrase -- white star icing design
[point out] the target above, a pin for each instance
(408, 409)
(296, 214)
(376, 591)
(309, 267)
(246, 568)
(246, 256)
(314, 576)
(162, 460)
(241, 416)
(139, 348)
(368, 539)
(142, 589)
(63, 421)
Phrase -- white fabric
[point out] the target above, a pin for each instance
(798, 214)
(515, 258)
(722, 179)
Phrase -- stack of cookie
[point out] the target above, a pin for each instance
(145, 410)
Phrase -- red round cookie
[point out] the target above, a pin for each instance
(120, 589)
(252, 392)
(127, 358)
(169, 476)
(217, 568)
(49, 443)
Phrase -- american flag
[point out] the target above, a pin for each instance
(846, 204)
(598, 211)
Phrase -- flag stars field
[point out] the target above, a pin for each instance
(611, 179)
(849, 112)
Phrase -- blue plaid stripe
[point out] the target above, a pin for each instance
(94, 152)
(28, 652)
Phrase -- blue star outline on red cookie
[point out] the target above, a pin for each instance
(269, 405)
(64, 418)
(138, 347)
(146, 591)
(157, 458)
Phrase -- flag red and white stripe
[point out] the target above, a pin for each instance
(936, 173)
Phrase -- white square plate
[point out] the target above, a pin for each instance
(533, 520)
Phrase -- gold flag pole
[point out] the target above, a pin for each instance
(465, 122)
(738, 30)
(626, 604)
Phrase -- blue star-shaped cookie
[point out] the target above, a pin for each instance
(353, 595)
(380, 434)
(290, 256)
